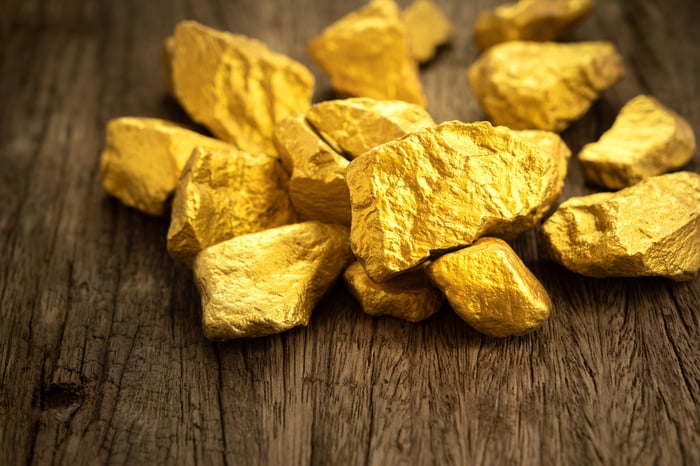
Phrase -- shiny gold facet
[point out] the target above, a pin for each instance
(647, 139)
(427, 28)
(555, 147)
(409, 296)
(354, 126)
(533, 85)
(649, 229)
(268, 282)
(143, 158)
(536, 20)
(236, 86)
(317, 186)
(441, 188)
(366, 53)
(491, 289)
(223, 194)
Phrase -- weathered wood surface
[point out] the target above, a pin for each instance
(102, 359)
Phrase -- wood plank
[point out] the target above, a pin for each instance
(102, 359)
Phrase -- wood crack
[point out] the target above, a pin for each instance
(222, 417)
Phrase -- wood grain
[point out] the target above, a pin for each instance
(102, 358)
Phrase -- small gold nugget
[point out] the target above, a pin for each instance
(533, 85)
(554, 146)
(143, 159)
(354, 126)
(409, 296)
(647, 139)
(536, 20)
(427, 28)
(223, 194)
(649, 229)
(490, 288)
(317, 187)
(440, 188)
(268, 282)
(236, 86)
(366, 53)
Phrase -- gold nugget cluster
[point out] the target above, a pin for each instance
(375, 51)
(290, 196)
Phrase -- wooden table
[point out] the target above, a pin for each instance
(102, 357)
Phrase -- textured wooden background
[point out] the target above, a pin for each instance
(102, 358)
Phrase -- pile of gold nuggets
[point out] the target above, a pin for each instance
(288, 196)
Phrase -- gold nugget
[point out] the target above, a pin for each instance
(553, 145)
(559, 153)
(409, 296)
(491, 289)
(533, 85)
(649, 229)
(354, 126)
(647, 139)
(236, 86)
(441, 188)
(427, 28)
(317, 187)
(268, 282)
(536, 20)
(223, 194)
(143, 158)
(366, 53)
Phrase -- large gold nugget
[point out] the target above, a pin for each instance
(409, 296)
(554, 146)
(532, 85)
(427, 28)
(223, 194)
(143, 158)
(441, 188)
(317, 187)
(491, 289)
(649, 229)
(236, 86)
(366, 53)
(536, 20)
(354, 126)
(647, 139)
(270, 281)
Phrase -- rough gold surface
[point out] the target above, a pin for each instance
(555, 147)
(268, 282)
(317, 186)
(647, 139)
(536, 20)
(223, 194)
(366, 53)
(354, 126)
(427, 28)
(441, 188)
(143, 158)
(409, 296)
(491, 289)
(236, 86)
(533, 85)
(649, 229)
